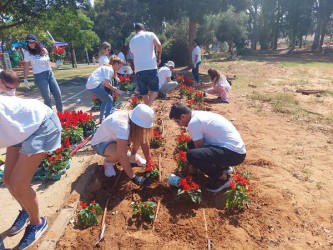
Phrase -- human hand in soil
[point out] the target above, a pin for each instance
(141, 181)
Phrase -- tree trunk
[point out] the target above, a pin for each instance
(255, 26)
(73, 57)
(316, 40)
(231, 43)
(191, 36)
(322, 35)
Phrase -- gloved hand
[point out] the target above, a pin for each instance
(141, 181)
(26, 83)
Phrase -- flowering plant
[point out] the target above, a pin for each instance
(146, 209)
(189, 190)
(88, 214)
(58, 53)
(182, 162)
(238, 195)
(190, 103)
(95, 101)
(189, 92)
(198, 96)
(182, 90)
(134, 101)
(151, 170)
(157, 140)
(182, 140)
(182, 79)
(125, 83)
(57, 161)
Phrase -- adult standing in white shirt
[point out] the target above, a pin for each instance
(164, 77)
(196, 60)
(29, 129)
(143, 46)
(44, 78)
(216, 144)
(103, 54)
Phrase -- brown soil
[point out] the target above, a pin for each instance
(290, 161)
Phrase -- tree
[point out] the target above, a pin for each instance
(17, 12)
(74, 27)
(231, 27)
(323, 11)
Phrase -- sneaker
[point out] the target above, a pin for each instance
(109, 169)
(20, 223)
(218, 185)
(229, 171)
(32, 234)
(137, 159)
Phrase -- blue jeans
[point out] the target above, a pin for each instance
(47, 84)
(147, 80)
(107, 101)
(195, 72)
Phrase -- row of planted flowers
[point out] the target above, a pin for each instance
(76, 126)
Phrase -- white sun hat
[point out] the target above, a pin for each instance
(170, 64)
(143, 116)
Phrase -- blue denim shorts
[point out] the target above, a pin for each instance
(147, 80)
(101, 147)
(45, 139)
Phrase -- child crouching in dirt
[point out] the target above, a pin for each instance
(114, 134)
(221, 86)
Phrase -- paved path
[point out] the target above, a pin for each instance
(51, 195)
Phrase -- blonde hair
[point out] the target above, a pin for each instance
(105, 45)
(139, 134)
(115, 60)
(215, 75)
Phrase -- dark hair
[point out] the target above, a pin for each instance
(179, 109)
(10, 77)
(138, 27)
(38, 50)
(124, 49)
(196, 41)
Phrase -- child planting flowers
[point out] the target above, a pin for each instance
(151, 170)
(145, 210)
(189, 190)
(238, 195)
(88, 214)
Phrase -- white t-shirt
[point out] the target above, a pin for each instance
(163, 73)
(124, 67)
(115, 126)
(215, 130)
(103, 60)
(196, 52)
(224, 83)
(99, 75)
(142, 47)
(19, 118)
(38, 63)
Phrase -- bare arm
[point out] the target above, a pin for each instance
(158, 47)
(26, 69)
(198, 143)
(123, 158)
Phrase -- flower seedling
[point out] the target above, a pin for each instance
(146, 209)
(238, 195)
(88, 214)
(151, 170)
(157, 140)
(134, 102)
(182, 141)
(189, 190)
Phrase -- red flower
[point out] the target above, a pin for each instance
(182, 156)
(66, 142)
(93, 202)
(232, 184)
(92, 209)
(83, 205)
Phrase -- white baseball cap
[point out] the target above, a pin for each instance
(170, 64)
(143, 116)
